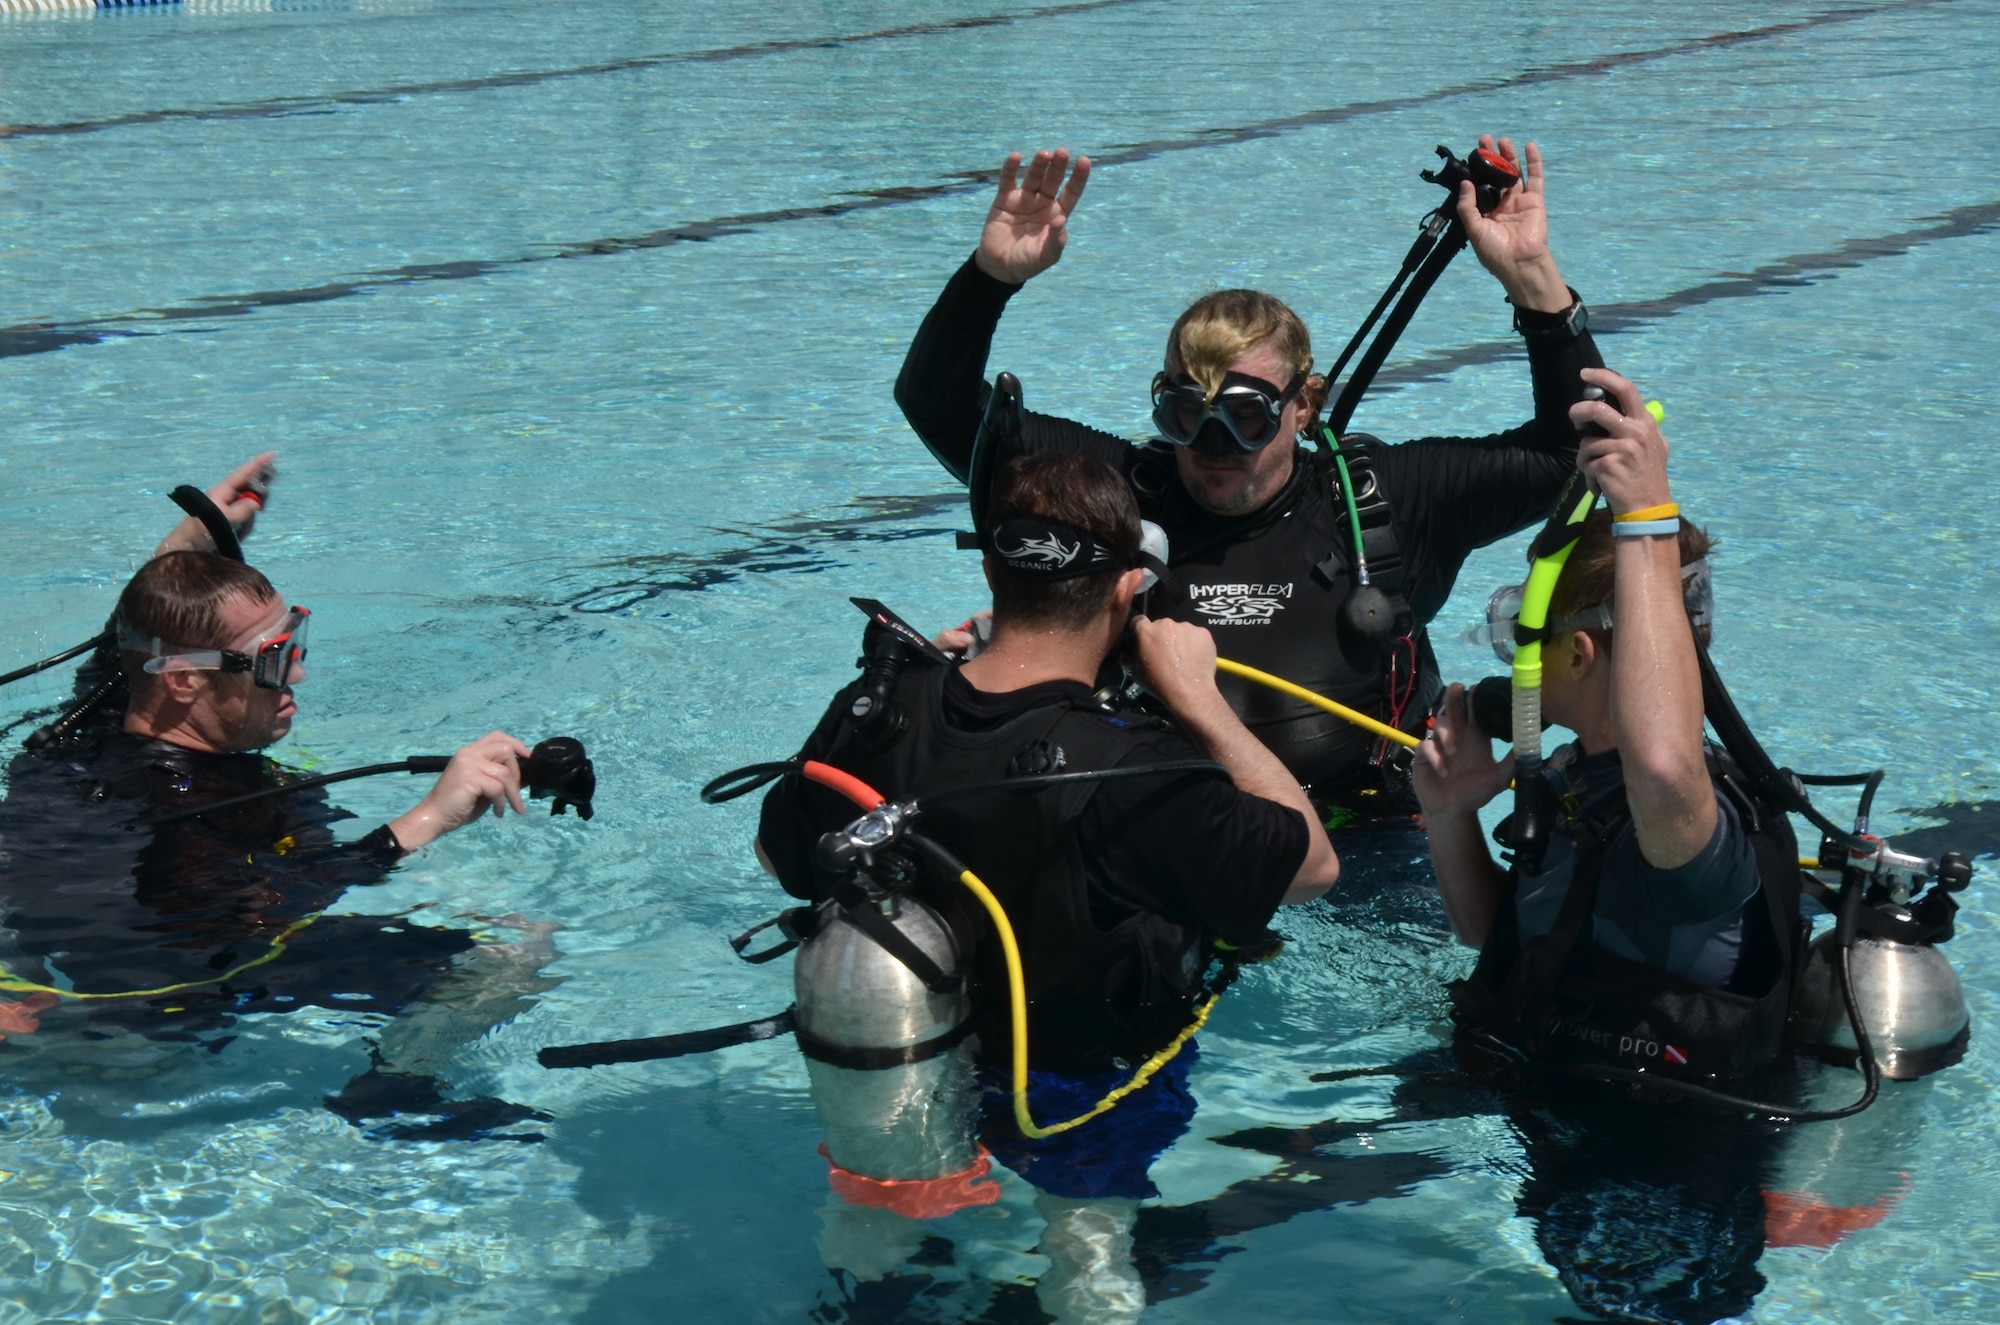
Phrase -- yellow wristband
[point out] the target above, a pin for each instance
(1664, 511)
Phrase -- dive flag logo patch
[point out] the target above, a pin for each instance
(1675, 1055)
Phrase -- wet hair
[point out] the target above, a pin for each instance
(1220, 328)
(179, 598)
(1077, 490)
(1589, 578)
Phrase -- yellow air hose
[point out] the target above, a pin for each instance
(1017, 1000)
(1282, 686)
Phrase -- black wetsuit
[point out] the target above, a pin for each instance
(99, 899)
(1252, 580)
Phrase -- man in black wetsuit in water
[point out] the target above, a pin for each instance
(126, 934)
(1260, 535)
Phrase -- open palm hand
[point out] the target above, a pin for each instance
(1029, 221)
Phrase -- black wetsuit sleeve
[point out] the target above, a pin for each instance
(1452, 495)
(942, 389)
(380, 849)
(1194, 849)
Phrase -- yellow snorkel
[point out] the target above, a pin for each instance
(1551, 552)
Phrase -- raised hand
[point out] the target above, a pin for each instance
(1628, 464)
(236, 500)
(1176, 661)
(1513, 240)
(1029, 221)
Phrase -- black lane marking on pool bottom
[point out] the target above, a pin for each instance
(1797, 272)
(797, 547)
(39, 338)
(276, 107)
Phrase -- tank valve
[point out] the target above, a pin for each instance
(841, 850)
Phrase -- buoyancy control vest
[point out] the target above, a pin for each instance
(1271, 588)
(1563, 1000)
(1095, 995)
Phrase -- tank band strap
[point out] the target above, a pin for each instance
(861, 912)
(873, 1059)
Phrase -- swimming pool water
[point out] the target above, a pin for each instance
(574, 326)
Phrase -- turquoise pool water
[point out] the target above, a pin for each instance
(574, 327)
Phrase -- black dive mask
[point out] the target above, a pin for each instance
(1243, 418)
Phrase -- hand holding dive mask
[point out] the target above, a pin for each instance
(270, 659)
(1245, 413)
(1503, 613)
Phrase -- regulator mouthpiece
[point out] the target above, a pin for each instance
(559, 767)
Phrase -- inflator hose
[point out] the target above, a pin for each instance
(414, 764)
(56, 660)
(1434, 263)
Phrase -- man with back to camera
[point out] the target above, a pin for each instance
(1261, 538)
(1657, 931)
(205, 918)
(1114, 892)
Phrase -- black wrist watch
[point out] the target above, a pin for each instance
(1566, 325)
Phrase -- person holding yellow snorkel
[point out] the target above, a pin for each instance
(1649, 915)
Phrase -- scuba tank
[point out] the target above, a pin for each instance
(1910, 1000)
(886, 1048)
(883, 1004)
(1908, 995)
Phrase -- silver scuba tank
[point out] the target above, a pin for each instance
(892, 1075)
(1905, 990)
(1909, 997)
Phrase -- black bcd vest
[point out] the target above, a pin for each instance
(1562, 1000)
(1095, 995)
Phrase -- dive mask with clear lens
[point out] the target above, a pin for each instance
(271, 660)
(1503, 612)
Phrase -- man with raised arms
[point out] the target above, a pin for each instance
(1262, 542)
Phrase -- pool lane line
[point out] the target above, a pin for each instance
(43, 337)
(1773, 277)
(1605, 64)
(1799, 271)
(797, 546)
(278, 107)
